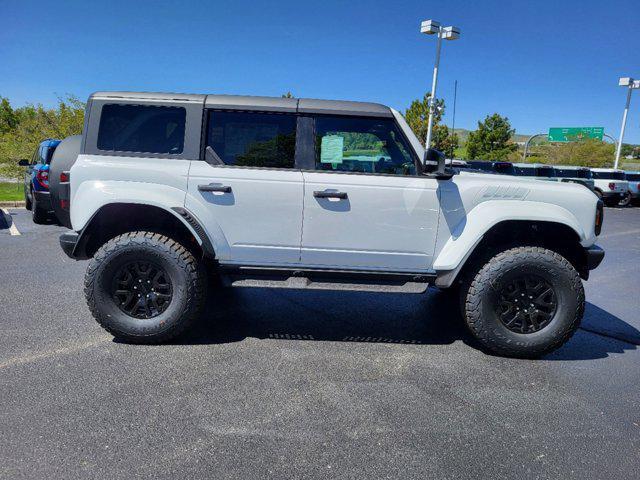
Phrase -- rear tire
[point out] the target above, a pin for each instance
(143, 287)
(27, 200)
(38, 215)
(524, 302)
(626, 201)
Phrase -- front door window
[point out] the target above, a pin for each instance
(365, 145)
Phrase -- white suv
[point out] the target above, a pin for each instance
(162, 189)
(610, 185)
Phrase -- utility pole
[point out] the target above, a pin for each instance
(431, 27)
(631, 84)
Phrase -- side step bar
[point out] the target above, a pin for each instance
(318, 279)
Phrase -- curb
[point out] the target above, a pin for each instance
(17, 203)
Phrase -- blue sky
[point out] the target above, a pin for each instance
(542, 64)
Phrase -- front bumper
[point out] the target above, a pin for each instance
(594, 254)
(68, 242)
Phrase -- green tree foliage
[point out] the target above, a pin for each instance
(287, 95)
(417, 116)
(587, 153)
(21, 129)
(492, 139)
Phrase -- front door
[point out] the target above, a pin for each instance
(364, 207)
(248, 194)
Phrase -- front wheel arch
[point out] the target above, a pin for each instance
(554, 236)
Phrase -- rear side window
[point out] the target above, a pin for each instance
(142, 129)
(247, 139)
(609, 175)
(633, 176)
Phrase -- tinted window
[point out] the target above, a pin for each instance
(368, 145)
(572, 173)
(633, 176)
(525, 171)
(253, 139)
(504, 168)
(544, 172)
(609, 175)
(49, 154)
(142, 129)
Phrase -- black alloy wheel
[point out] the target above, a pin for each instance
(142, 289)
(527, 304)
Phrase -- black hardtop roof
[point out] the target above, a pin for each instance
(263, 104)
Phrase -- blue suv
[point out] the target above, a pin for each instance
(36, 180)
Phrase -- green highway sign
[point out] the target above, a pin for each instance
(574, 134)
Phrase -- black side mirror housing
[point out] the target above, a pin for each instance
(434, 161)
(23, 162)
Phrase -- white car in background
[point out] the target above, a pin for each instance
(634, 186)
(611, 186)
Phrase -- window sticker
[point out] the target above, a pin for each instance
(331, 149)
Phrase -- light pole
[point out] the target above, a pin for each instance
(631, 84)
(431, 27)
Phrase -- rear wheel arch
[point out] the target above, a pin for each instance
(114, 219)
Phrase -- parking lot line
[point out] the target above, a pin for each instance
(13, 230)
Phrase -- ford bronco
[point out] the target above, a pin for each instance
(163, 190)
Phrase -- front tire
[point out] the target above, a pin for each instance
(143, 287)
(524, 302)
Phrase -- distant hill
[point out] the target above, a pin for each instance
(463, 135)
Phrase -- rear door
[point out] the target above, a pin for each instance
(249, 193)
(364, 205)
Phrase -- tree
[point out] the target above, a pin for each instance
(417, 116)
(587, 153)
(8, 117)
(287, 95)
(492, 139)
(21, 129)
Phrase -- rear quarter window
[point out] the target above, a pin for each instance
(142, 129)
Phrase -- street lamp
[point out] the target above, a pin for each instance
(631, 84)
(431, 27)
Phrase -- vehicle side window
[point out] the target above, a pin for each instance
(142, 129)
(49, 154)
(250, 139)
(35, 157)
(367, 145)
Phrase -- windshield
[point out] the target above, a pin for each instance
(609, 175)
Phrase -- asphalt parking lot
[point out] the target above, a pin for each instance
(297, 384)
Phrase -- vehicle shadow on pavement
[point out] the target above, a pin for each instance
(430, 319)
(600, 334)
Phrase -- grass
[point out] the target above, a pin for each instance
(10, 192)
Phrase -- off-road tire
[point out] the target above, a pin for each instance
(186, 274)
(38, 215)
(480, 300)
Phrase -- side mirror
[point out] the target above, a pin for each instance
(23, 163)
(434, 160)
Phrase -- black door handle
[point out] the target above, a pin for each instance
(214, 188)
(328, 194)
